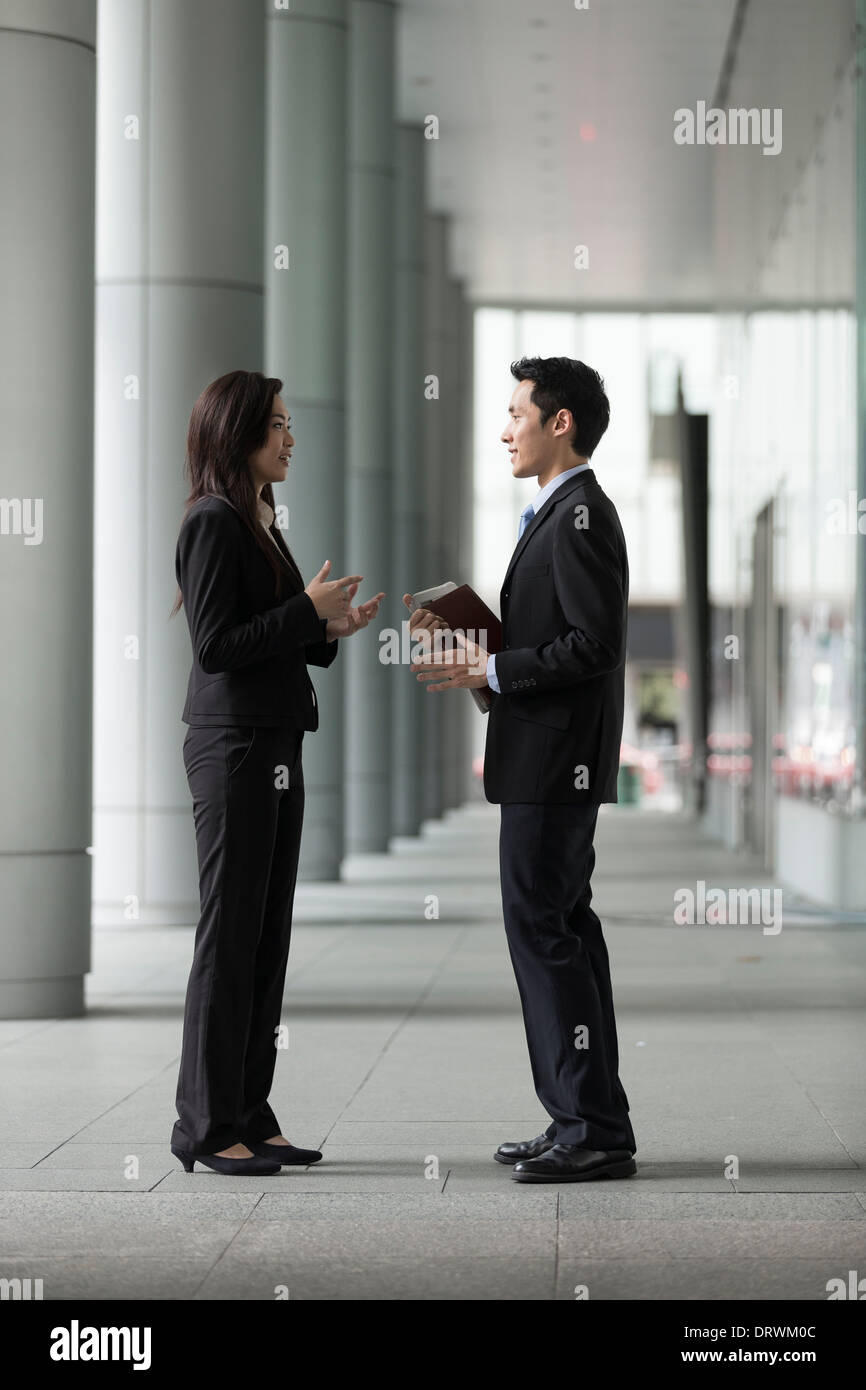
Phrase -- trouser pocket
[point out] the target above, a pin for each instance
(239, 741)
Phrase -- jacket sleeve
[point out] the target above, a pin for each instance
(588, 576)
(208, 565)
(321, 653)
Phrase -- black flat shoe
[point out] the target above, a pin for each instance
(529, 1148)
(259, 1167)
(285, 1154)
(571, 1163)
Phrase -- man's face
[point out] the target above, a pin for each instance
(529, 445)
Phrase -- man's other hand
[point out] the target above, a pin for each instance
(462, 667)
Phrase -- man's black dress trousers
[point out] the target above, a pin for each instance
(563, 977)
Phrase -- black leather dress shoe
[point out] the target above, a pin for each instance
(285, 1154)
(571, 1163)
(530, 1148)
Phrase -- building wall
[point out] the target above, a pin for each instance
(784, 430)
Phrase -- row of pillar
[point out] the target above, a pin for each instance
(258, 206)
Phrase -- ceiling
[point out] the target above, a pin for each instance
(556, 130)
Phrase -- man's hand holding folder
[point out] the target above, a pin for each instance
(459, 663)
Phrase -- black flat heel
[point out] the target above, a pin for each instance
(258, 1167)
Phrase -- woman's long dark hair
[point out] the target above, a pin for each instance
(229, 421)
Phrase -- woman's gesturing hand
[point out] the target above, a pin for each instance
(332, 598)
(355, 619)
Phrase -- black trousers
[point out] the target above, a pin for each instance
(546, 859)
(247, 786)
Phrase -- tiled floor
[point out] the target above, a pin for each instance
(742, 1055)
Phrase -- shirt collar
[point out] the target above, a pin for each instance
(542, 495)
(266, 513)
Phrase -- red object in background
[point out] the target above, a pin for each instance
(794, 771)
(646, 763)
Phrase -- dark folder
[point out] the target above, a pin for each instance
(464, 611)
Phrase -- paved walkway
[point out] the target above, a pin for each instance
(742, 1055)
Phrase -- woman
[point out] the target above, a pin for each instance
(254, 628)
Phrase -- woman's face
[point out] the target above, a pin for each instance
(270, 464)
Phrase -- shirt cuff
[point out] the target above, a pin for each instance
(491, 673)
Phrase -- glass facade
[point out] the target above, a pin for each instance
(778, 388)
(783, 457)
(644, 359)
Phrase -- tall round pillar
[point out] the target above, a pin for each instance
(305, 340)
(466, 493)
(408, 571)
(369, 388)
(180, 134)
(47, 116)
(459, 705)
(436, 498)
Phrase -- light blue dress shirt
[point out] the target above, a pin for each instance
(538, 502)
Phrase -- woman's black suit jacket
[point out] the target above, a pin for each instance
(250, 649)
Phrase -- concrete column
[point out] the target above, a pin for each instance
(455, 704)
(180, 133)
(433, 449)
(408, 564)
(47, 112)
(460, 537)
(467, 788)
(305, 328)
(369, 384)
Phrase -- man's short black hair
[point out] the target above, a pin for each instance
(562, 383)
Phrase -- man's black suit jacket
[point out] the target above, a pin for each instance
(554, 731)
(250, 649)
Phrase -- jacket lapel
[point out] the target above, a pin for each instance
(573, 485)
(289, 557)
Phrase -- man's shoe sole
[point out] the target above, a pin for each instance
(610, 1170)
(501, 1158)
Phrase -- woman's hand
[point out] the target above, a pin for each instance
(332, 597)
(354, 620)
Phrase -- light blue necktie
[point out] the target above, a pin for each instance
(525, 517)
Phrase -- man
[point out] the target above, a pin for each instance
(552, 757)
